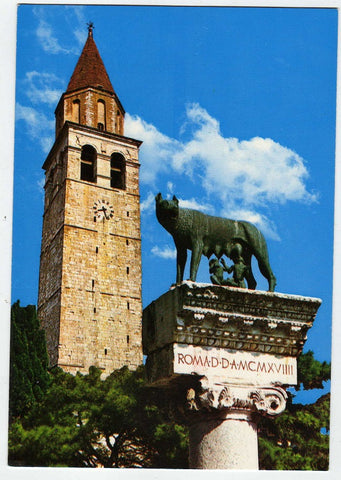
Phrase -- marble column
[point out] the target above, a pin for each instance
(227, 442)
(223, 354)
(223, 424)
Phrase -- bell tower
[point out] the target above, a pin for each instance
(90, 267)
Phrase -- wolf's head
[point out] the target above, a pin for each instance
(167, 211)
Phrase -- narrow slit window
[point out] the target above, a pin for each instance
(127, 270)
(118, 122)
(105, 351)
(128, 339)
(76, 111)
(101, 115)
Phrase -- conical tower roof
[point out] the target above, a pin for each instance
(90, 70)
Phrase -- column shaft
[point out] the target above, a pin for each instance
(224, 443)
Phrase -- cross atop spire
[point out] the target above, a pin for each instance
(90, 28)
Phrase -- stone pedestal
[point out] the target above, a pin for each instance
(225, 355)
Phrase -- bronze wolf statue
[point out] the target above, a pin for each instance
(208, 235)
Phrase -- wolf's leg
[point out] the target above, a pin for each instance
(260, 250)
(181, 258)
(265, 269)
(251, 281)
(195, 260)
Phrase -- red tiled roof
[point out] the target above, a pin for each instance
(90, 70)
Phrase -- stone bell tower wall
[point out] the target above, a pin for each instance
(90, 271)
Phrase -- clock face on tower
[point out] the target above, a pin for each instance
(103, 210)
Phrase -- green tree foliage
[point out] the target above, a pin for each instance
(28, 366)
(298, 439)
(84, 421)
(311, 372)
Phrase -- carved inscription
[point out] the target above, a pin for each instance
(224, 363)
(237, 365)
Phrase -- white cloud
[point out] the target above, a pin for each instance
(192, 203)
(157, 147)
(37, 125)
(170, 187)
(242, 176)
(46, 142)
(251, 171)
(41, 87)
(46, 88)
(147, 205)
(266, 226)
(41, 184)
(80, 35)
(48, 37)
(165, 252)
(77, 15)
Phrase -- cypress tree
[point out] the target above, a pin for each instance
(29, 377)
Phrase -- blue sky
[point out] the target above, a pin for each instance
(236, 109)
